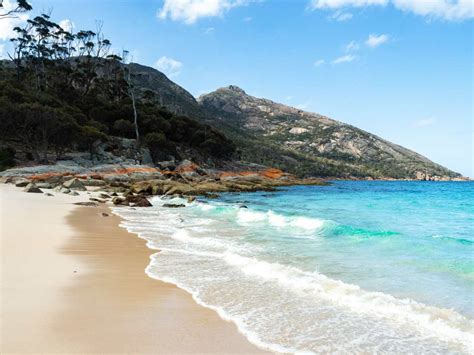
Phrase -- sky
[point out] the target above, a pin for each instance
(402, 69)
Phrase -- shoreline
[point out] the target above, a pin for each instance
(87, 283)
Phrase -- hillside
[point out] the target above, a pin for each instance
(297, 141)
(332, 147)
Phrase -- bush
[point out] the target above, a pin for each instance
(7, 157)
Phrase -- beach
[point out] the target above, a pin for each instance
(73, 281)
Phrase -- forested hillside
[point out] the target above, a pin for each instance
(65, 91)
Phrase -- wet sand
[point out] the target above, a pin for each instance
(74, 281)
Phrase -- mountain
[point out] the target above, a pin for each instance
(294, 140)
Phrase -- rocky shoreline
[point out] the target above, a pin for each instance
(129, 185)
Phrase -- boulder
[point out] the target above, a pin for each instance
(44, 185)
(62, 189)
(104, 214)
(22, 182)
(188, 170)
(138, 201)
(94, 182)
(191, 199)
(74, 184)
(104, 195)
(32, 188)
(73, 193)
(169, 165)
(118, 200)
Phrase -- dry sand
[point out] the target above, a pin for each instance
(73, 281)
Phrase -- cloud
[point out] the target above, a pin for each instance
(451, 10)
(319, 62)
(344, 59)
(352, 46)
(189, 11)
(376, 40)
(336, 4)
(171, 67)
(341, 16)
(209, 30)
(424, 122)
(67, 25)
(7, 24)
(248, 19)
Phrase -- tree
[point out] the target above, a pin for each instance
(131, 93)
(20, 7)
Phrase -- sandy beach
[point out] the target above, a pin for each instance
(73, 281)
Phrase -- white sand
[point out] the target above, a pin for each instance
(73, 281)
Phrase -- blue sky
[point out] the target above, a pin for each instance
(397, 68)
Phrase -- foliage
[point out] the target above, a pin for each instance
(7, 157)
(63, 91)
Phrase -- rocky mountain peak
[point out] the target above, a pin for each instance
(236, 89)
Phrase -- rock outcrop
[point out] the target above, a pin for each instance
(307, 142)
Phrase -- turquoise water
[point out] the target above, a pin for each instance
(353, 267)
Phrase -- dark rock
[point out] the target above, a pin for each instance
(94, 182)
(138, 201)
(96, 200)
(61, 189)
(48, 194)
(44, 185)
(73, 193)
(22, 182)
(103, 214)
(32, 188)
(75, 184)
(173, 205)
(87, 204)
(118, 200)
(104, 196)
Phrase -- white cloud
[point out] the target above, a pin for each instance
(352, 46)
(248, 19)
(67, 25)
(171, 67)
(189, 11)
(341, 16)
(336, 4)
(376, 40)
(209, 30)
(7, 24)
(344, 59)
(451, 10)
(319, 62)
(424, 122)
(446, 9)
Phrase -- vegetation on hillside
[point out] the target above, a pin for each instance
(65, 91)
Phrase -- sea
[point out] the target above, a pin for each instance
(354, 267)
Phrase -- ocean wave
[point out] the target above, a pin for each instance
(237, 263)
(246, 216)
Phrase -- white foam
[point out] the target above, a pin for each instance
(447, 325)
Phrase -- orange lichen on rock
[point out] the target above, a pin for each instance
(270, 173)
(46, 176)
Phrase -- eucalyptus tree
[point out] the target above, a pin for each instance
(130, 91)
(20, 7)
